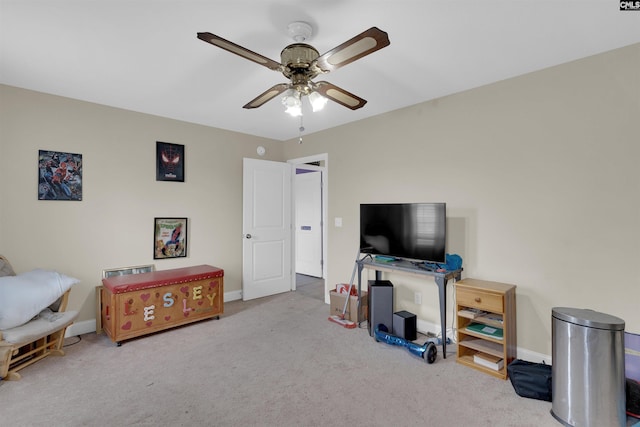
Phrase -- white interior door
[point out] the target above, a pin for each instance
(267, 223)
(308, 222)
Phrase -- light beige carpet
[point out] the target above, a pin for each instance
(276, 361)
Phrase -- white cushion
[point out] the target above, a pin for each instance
(38, 328)
(27, 294)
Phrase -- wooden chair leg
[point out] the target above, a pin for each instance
(5, 360)
(13, 359)
(13, 376)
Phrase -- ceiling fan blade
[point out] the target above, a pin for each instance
(339, 95)
(241, 51)
(267, 95)
(361, 45)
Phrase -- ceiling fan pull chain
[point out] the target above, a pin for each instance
(301, 129)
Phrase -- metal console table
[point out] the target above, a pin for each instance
(406, 267)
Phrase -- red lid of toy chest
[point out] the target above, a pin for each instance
(154, 279)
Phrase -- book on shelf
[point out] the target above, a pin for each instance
(471, 313)
(489, 361)
(486, 330)
(492, 316)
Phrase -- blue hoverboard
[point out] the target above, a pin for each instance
(428, 351)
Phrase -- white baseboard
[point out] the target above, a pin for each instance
(533, 356)
(232, 296)
(433, 329)
(88, 326)
(79, 328)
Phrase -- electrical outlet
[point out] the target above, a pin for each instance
(417, 298)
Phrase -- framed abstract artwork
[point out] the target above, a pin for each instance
(169, 238)
(169, 162)
(59, 175)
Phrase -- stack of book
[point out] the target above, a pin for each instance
(494, 317)
(485, 330)
(489, 361)
(471, 313)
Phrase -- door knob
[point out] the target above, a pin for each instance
(247, 236)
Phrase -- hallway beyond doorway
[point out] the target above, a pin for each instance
(310, 286)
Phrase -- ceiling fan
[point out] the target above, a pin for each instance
(301, 63)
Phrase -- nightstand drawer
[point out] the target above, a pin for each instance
(480, 300)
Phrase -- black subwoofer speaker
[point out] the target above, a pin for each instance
(380, 304)
(405, 325)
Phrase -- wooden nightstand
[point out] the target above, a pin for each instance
(486, 320)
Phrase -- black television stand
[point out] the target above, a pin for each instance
(406, 267)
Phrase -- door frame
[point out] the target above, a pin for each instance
(299, 162)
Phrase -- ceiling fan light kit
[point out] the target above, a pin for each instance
(292, 103)
(317, 101)
(301, 63)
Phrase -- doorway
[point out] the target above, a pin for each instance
(310, 213)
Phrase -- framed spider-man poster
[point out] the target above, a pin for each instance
(170, 238)
(169, 162)
(59, 175)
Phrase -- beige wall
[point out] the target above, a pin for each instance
(113, 225)
(539, 174)
(541, 179)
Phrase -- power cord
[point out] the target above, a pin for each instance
(454, 330)
(73, 343)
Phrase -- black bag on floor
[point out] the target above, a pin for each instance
(529, 379)
(633, 397)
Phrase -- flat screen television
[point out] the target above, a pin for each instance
(412, 231)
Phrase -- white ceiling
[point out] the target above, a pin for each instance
(143, 55)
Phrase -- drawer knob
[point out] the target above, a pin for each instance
(478, 299)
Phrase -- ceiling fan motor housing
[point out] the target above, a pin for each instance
(299, 63)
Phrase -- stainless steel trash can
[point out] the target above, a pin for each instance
(588, 383)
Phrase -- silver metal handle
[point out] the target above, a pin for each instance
(247, 236)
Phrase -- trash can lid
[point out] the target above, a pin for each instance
(588, 318)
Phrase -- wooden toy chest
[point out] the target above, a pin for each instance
(139, 304)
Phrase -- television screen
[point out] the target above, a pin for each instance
(414, 231)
